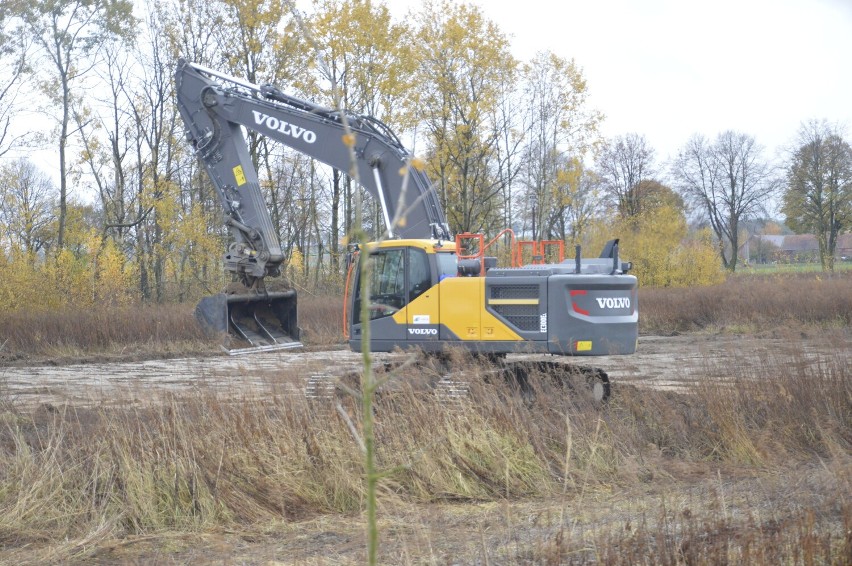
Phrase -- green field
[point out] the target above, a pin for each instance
(770, 268)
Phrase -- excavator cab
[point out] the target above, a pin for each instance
(403, 302)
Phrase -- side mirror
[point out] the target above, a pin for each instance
(626, 266)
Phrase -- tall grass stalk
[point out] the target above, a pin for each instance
(367, 379)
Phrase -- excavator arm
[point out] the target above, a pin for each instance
(215, 107)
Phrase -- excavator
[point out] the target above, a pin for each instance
(429, 289)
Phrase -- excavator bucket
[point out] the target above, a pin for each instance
(264, 321)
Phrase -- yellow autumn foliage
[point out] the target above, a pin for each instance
(296, 265)
(23, 284)
(113, 277)
(187, 248)
(662, 251)
(95, 272)
(97, 269)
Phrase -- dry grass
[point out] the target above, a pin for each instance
(138, 332)
(749, 469)
(81, 333)
(749, 304)
(743, 304)
(75, 481)
(321, 319)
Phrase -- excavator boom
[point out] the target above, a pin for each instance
(215, 108)
(214, 112)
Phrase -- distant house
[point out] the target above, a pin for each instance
(844, 247)
(796, 248)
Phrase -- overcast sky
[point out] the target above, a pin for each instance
(668, 69)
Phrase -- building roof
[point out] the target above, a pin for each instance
(777, 241)
(800, 243)
(803, 242)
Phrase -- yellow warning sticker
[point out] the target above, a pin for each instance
(584, 345)
(239, 175)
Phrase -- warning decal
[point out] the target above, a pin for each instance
(239, 175)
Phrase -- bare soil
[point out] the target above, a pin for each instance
(697, 508)
(693, 516)
(663, 362)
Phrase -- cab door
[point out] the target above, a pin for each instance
(422, 316)
(388, 300)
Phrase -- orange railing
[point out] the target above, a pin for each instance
(540, 250)
(481, 247)
(560, 249)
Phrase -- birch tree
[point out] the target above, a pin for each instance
(461, 56)
(370, 62)
(562, 128)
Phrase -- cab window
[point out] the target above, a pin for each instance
(419, 276)
(387, 285)
(448, 264)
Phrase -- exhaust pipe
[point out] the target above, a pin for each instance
(265, 322)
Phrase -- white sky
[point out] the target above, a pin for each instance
(669, 69)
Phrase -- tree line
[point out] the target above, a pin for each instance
(507, 143)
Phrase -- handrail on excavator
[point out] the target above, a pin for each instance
(480, 255)
(539, 248)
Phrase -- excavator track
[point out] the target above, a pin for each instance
(451, 379)
(591, 382)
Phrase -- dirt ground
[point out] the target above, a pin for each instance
(685, 518)
(672, 362)
(698, 503)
